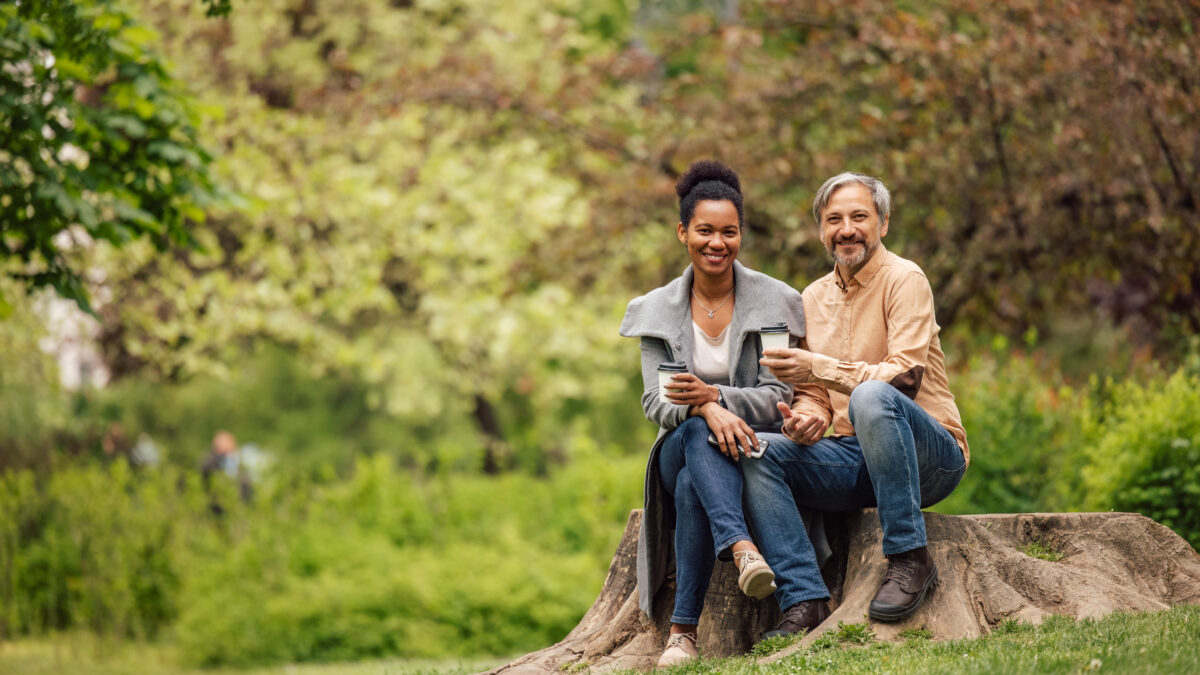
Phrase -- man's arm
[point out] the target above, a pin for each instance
(812, 399)
(910, 330)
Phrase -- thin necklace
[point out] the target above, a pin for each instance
(711, 312)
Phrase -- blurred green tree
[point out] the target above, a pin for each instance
(97, 142)
(456, 199)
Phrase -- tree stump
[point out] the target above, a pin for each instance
(1110, 562)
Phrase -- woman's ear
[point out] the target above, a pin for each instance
(681, 232)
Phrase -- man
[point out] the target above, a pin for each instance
(223, 457)
(873, 368)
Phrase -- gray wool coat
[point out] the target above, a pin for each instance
(662, 319)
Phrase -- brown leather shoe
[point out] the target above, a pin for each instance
(805, 615)
(909, 577)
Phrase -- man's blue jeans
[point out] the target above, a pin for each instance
(707, 489)
(900, 461)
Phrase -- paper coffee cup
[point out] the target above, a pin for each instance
(665, 372)
(774, 336)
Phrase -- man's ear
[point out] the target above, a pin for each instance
(681, 232)
(883, 228)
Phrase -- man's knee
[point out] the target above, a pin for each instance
(758, 472)
(870, 399)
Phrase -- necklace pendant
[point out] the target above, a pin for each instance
(711, 315)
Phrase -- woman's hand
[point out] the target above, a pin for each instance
(802, 428)
(687, 389)
(733, 435)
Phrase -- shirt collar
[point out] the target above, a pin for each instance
(865, 273)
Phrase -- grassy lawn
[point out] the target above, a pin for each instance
(84, 654)
(1160, 642)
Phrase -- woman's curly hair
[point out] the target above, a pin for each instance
(708, 179)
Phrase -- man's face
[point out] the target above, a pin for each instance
(850, 226)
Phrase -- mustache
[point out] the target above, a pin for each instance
(850, 240)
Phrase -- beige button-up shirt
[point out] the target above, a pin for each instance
(878, 325)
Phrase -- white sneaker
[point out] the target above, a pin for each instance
(756, 579)
(681, 648)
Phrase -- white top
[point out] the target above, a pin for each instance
(710, 359)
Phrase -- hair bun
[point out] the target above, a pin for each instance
(707, 170)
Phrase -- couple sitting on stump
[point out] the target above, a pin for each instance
(864, 358)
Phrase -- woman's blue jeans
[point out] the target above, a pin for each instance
(901, 460)
(707, 489)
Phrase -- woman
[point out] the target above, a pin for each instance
(707, 319)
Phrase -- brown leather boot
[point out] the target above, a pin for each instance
(909, 577)
(804, 615)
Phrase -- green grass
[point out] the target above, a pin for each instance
(84, 654)
(921, 633)
(1037, 549)
(1161, 642)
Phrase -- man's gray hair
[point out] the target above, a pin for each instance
(879, 194)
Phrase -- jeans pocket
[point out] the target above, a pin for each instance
(940, 484)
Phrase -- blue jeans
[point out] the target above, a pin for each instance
(900, 461)
(707, 489)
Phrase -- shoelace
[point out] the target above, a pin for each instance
(676, 639)
(743, 558)
(900, 570)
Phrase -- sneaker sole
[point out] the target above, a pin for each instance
(673, 660)
(759, 585)
(899, 613)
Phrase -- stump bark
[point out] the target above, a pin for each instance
(1111, 562)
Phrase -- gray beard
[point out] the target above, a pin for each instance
(854, 261)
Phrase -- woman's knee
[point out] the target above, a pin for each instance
(693, 426)
(686, 497)
(695, 433)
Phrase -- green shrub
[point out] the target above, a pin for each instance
(95, 547)
(1144, 454)
(1021, 426)
(389, 564)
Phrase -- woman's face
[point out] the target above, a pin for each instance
(713, 237)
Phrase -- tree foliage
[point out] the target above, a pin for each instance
(97, 141)
(456, 199)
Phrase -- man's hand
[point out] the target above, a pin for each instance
(687, 389)
(802, 428)
(733, 435)
(790, 365)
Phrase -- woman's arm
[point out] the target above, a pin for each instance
(756, 404)
(665, 415)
